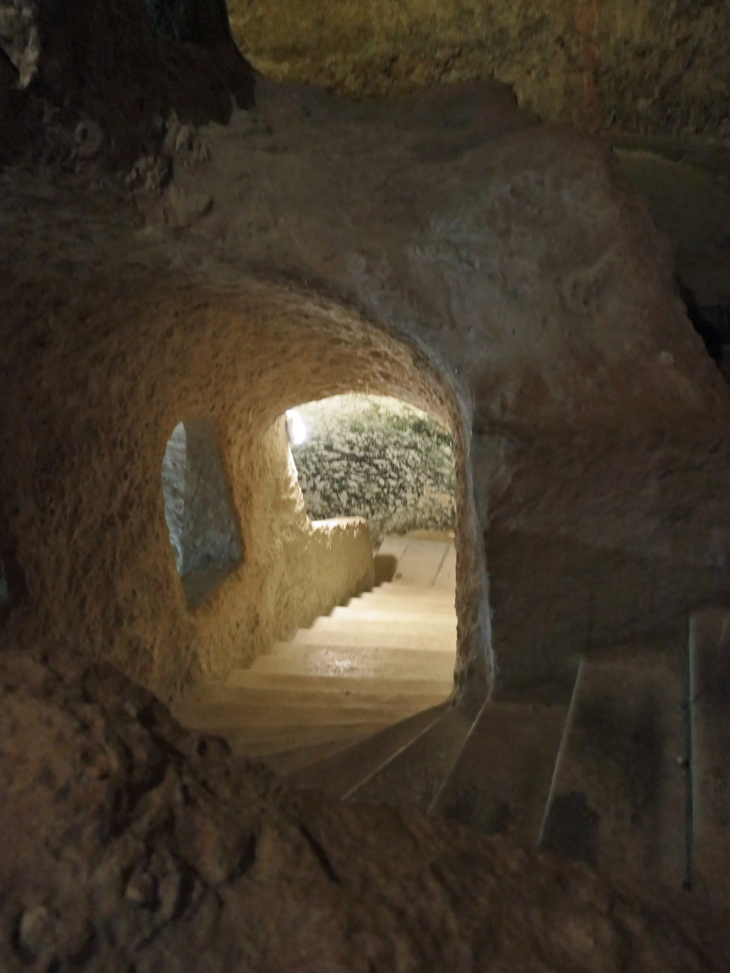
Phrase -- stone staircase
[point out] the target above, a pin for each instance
(384, 658)
(632, 776)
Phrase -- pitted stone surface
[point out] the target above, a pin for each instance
(444, 250)
(160, 850)
(633, 65)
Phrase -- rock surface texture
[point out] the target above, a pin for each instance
(138, 845)
(100, 77)
(445, 250)
(638, 65)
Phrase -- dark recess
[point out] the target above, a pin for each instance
(711, 322)
(126, 65)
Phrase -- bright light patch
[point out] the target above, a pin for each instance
(295, 428)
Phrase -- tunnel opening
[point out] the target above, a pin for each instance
(199, 510)
(369, 648)
(375, 457)
(353, 506)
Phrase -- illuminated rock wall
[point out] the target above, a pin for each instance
(641, 65)
(377, 458)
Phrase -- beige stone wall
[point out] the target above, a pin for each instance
(293, 569)
(441, 250)
(642, 65)
(81, 491)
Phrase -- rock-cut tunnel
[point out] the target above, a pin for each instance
(374, 641)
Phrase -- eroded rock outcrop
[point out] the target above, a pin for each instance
(638, 65)
(88, 78)
(131, 844)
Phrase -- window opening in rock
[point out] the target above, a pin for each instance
(378, 458)
(199, 509)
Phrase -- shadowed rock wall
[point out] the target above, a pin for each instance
(642, 65)
(161, 851)
(117, 68)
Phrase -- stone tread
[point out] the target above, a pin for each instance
(413, 776)
(618, 794)
(366, 613)
(350, 624)
(343, 661)
(224, 717)
(342, 773)
(331, 685)
(351, 690)
(501, 779)
(407, 595)
(366, 638)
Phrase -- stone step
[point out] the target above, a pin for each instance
(446, 578)
(398, 613)
(286, 763)
(417, 596)
(418, 593)
(357, 663)
(501, 779)
(385, 627)
(709, 648)
(412, 777)
(392, 601)
(425, 611)
(382, 694)
(342, 773)
(420, 562)
(258, 743)
(285, 683)
(618, 795)
(401, 612)
(229, 715)
(381, 641)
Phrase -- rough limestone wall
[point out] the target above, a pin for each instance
(81, 498)
(642, 65)
(293, 570)
(443, 250)
(378, 458)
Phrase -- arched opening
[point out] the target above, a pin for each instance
(199, 509)
(379, 458)
(234, 362)
(357, 494)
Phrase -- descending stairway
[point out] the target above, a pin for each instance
(387, 656)
(633, 776)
